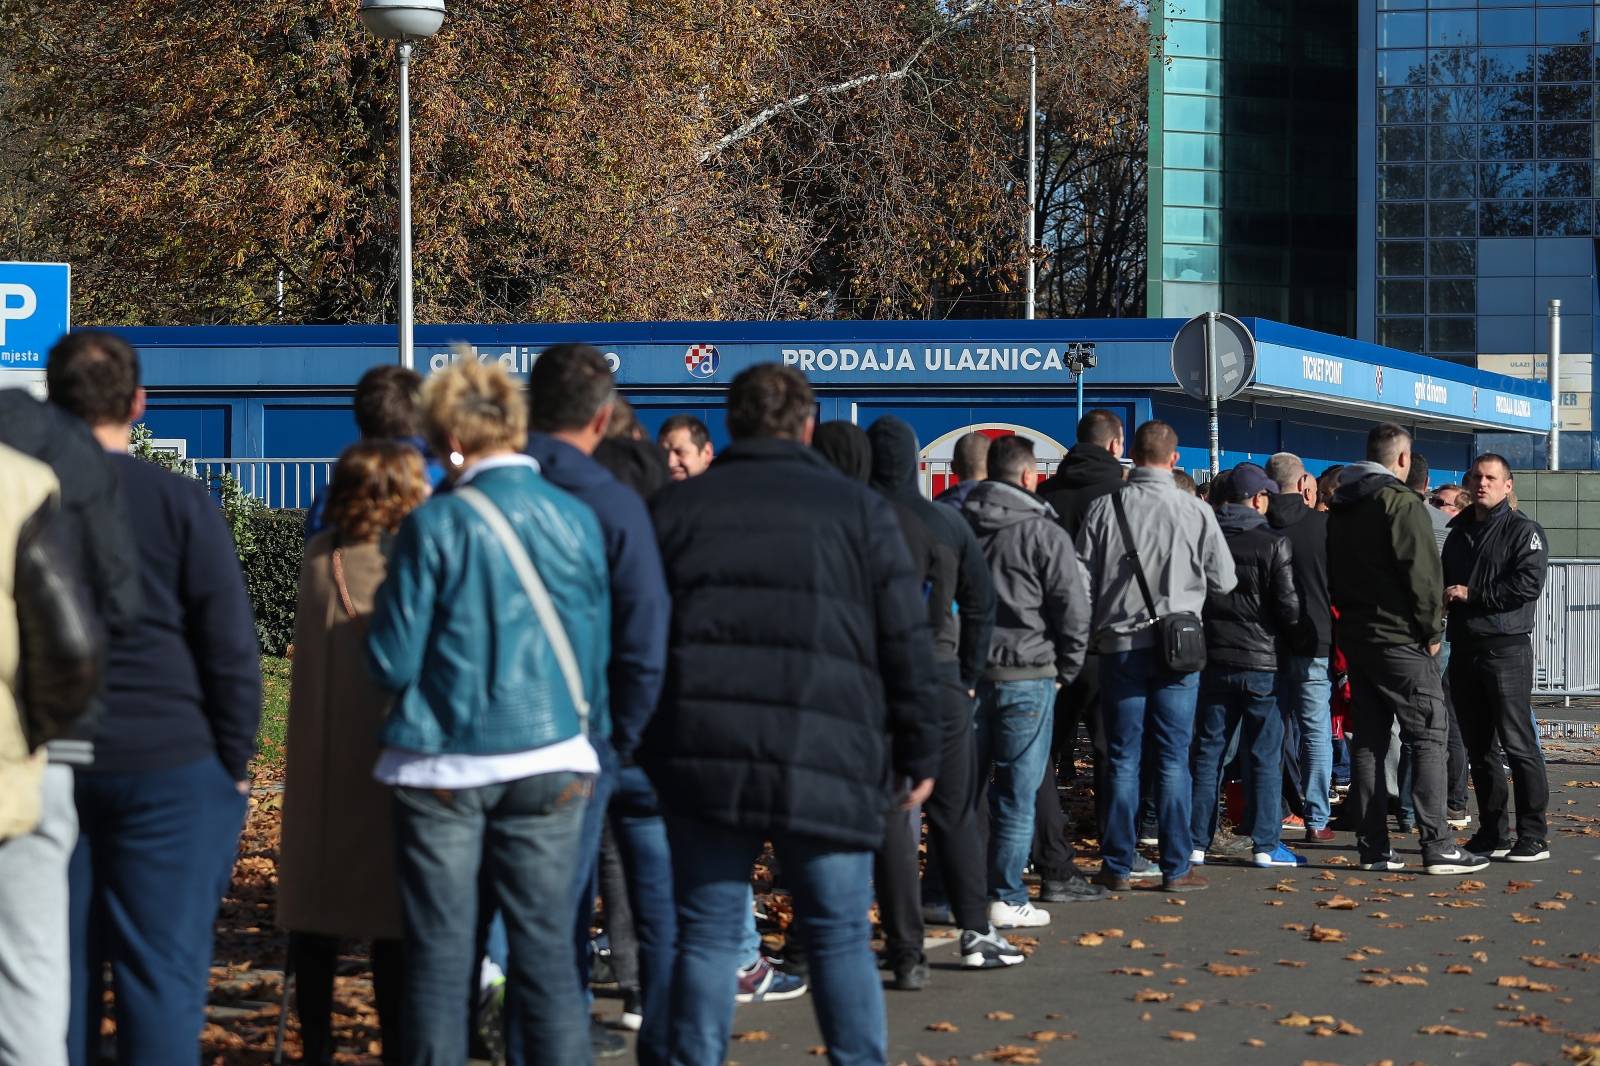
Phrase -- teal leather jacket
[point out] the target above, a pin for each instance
(454, 635)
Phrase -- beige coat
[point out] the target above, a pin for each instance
(336, 864)
(25, 485)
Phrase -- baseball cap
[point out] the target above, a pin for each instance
(1248, 480)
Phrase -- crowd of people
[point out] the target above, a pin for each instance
(541, 660)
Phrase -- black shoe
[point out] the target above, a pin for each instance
(606, 1044)
(1453, 862)
(1403, 825)
(1529, 849)
(1110, 881)
(910, 974)
(1482, 845)
(1389, 861)
(1074, 889)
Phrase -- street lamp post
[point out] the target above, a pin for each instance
(1033, 168)
(404, 21)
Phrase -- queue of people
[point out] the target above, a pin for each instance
(540, 660)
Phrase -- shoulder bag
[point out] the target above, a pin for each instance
(1180, 637)
(538, 594)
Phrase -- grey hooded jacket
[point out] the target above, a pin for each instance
(1041, 626)
(1179, 543)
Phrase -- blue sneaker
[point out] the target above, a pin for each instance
(1278, 856)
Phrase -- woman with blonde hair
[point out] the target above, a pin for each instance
(336, 861)
(492, 631)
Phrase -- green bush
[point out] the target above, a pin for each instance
(270, 552)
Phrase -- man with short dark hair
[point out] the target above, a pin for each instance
(799, 673)
(1184, 559)
(387, 406)
(1040, 639)
(969, 463)
(569, 407)
(1092, 468)
(1307, 687)
(1387, 586)
(1495, 565)
(161, 808)
(686, 443)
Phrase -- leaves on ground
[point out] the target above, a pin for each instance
(1165, 919)
(1323, 934)
(1338, 903)
(1451, 1030)
(1182, 1036)
(1017, 1054)
(1223, 969)
(752, 1036)
(1521, 982)
(1001, 1016)
(943, 1027)
(1151, 995)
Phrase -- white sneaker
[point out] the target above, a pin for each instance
(1197, 857)
(988, 950)
(1455, 861)
(1004, 915)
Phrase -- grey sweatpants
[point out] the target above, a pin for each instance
(34, 974)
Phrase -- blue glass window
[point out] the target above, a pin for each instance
(1505, 181)
(1454, 105)
(1453, 220)
(1192, 188)
(1400, 220)
(1403, 105)
(1402, 182)
(1508, 27)
(1566, 141)
(1509, 218)
(1566, 26)
(1453, 181)
(1402, 144)
(1191, 225)
(1564, 181)
(1408, 67)
(1400, 258)
(1506, 64)
(1509, 141)
(1188, 262)
(1454, 335)
(1565, 218)
(1402, 333)
(1402, 31)
(1453, 66)
(1201, 114)
(1566, 103)
(1448, 143)
(1203, 76)
(1203, 39)
(1192, 151)
(1566, 62)
(1400, 297)
(1450, 28)
(1447, 258)
(1507, 103)
(1458, 296)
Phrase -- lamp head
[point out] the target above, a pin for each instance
(402, 19)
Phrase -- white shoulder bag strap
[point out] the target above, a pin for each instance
(534, 585)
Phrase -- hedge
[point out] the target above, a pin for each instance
(271, 545)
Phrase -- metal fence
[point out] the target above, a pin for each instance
(280, 483)
(1566, 634)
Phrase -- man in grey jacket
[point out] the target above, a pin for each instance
(1040, 638)
(1184, 558)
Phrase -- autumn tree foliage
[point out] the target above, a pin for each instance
(572, 159)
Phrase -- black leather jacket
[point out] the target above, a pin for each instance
(1245, 627)
(1503, 560)
(63, 645)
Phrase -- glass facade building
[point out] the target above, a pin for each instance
(1252, 173)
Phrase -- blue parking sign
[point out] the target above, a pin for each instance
(35, 311)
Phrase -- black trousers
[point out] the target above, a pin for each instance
(313, 959)
(956, 848)
(1053, 854)
(1390, 683)
(618, 913)
(1493, 690)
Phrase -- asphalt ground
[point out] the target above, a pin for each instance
(1325, 964)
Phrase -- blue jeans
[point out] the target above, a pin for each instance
(832, 892)
(524, 835)
(1307, 692)
(1139, 696)
(154, 856)
(641, 836)
(1245, 700)
(1015, 720)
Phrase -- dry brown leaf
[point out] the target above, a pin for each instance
(752, 1036)
(1458, 968)
(1111, 934)
(1151, 995)
(1136, 945)
(1240, 953)
(1133, 971)
(1409, 979)
(1451, 1030)
(1182, 1036)
(1480, 956)
(1294, 927)
(1517, 886)
(1338, 903)
(1524, 919)
(1470, 938)
(1375, 980)
(1045, 1036)
(1522, 982)
(1323, 934)
(1001, 1016)
(1295, 1020)
(1164, 919)
(1542, 963)
(943, 1027)
(1193, 1006)
(1223, 969)
(1090, 940)
(1344, 1028)
(1293, 964)
(819, 1051)
(1472, 886)
(1015, 1054)
(1253, 1042)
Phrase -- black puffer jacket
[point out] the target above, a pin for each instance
(1243, 627)
(799, 668)
(1503, 560)
(961, 636)
(1086, 474)
(1307, 530)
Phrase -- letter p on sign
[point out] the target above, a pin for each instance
(16, 302)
